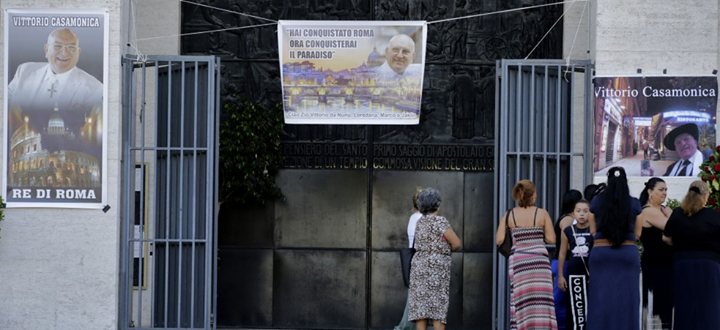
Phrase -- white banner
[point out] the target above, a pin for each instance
(354, 72)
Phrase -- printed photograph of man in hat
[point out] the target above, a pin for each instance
(684, 140)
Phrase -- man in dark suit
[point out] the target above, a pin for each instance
(684, 140)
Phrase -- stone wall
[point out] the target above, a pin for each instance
(59, 267)
(680, 37)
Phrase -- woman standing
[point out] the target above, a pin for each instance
(614, 298)
(656, 261)
(567, 207)
(531, 285)
(430, 274)
(694, 232)
(412, 223)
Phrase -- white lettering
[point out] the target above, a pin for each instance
(75, 194)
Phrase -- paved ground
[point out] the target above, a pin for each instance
(632, 166)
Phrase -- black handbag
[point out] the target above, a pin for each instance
(506, 246)
(406, 256)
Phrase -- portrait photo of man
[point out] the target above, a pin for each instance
(399, 57)
(57, 82)
(684, 140)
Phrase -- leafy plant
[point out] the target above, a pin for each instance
(672, 203)
(710, 169)
(249, 152)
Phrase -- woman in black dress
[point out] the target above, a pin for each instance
(694, 232)
(656, 260)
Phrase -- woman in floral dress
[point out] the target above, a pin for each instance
(430, 267)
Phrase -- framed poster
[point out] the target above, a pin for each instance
(55, 83)
(654, 126)
(352, 72)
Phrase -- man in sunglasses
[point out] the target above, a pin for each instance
(59, 83)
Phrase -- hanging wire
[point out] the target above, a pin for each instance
(209, 31)
(504, 11)
(431, 22)
(567, 62)
(133, 38)
(576, 33)
(227, 10)
(550, 29)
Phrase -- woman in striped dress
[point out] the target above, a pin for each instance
(531, 288)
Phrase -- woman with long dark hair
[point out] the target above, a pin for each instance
(656, 260)
(694, 232)
(614, 295)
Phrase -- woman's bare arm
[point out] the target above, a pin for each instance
(453, 239)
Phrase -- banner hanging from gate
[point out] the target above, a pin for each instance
(55, 88)
(357, 72)
(654, 126)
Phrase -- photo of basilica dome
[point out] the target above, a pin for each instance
(52, 154)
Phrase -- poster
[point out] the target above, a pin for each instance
(55, 88)
(355, 72)
(654, 126)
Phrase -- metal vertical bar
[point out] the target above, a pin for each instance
(558, 130)
(125, 299)
(142, 188)
(211, 213)
(571, 123)
(496, 182)
(128, 165)
(181, 192)
(194, 203)
(518, 122)
(504, 150)
(531, 123)
(545, 124)
(168, 177)
(156, 219)
(590, 126)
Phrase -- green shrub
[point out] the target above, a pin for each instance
(249, 152)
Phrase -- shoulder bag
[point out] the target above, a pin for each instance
(406, 256)
(506, 246)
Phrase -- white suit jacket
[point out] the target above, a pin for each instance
(386, 72)
(30, 89)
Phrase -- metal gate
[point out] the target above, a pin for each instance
(540, 104)
(169, 201)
